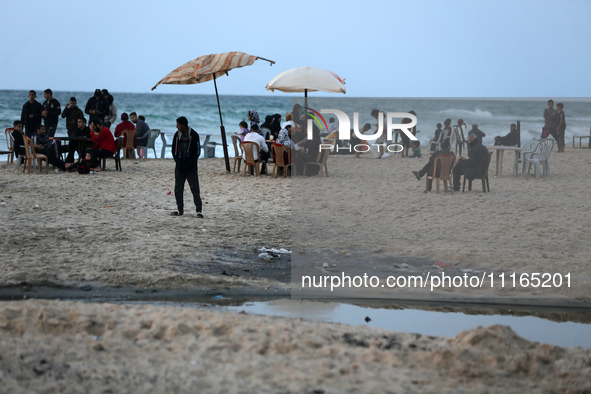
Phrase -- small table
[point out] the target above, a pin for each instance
(499, 158)
(580, 137)
(83, 144)
(165, 144)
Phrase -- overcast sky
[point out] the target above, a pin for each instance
(487, 48)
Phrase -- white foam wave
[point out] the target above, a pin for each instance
(466, 114)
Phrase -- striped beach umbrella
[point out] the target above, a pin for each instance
(206, 68)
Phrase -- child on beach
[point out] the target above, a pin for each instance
(416, 149)
(86, 165)
(243, 130)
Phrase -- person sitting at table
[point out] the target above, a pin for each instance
(254, 136)
(124, 125)
(284, 137)
(307, 152)
(104, 143)
(17, 136)
(142, 133)
(469, 167)
(42, 144)
(243, 130)
(428, 168)
(82, 131)
(266, 127)
(510, 139)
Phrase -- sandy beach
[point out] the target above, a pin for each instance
(113, 229)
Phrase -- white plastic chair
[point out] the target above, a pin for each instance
(164, 145)
(537, 155)
(150, 144)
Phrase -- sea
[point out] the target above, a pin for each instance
(493, 115)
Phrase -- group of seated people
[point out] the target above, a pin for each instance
(95, 143)
(468, 167)
(272, 132)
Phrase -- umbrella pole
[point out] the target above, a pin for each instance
(222, 129)
(306, 98)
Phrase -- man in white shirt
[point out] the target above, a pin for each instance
(255, 137)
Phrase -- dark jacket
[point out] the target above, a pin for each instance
(478, 133)
(72, 114)
(54, 111)
(31, 124)
(471, 166)
(186, 160)
(508, 140)
(96, 104)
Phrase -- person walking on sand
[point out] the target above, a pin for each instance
(186, 150)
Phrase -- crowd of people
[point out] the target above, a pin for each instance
(92, 140)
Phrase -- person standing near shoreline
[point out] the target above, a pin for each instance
(51, 112)
(561, 128)
(186, 149)
(550, 121)
(31, 114)
(72, 113)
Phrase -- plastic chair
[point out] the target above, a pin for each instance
(164, 145)
(129, 138)
(31, 156)
(150, 144)
(538, 156)
(444, 163)
(9, 145)
(249, 148)
(280, 162)
(482, 175)
(116, 155)
(458, 138)
(320, 161)
(238, 152)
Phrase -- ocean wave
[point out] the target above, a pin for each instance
(477, 113)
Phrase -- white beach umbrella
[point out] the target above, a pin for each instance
(307, 79)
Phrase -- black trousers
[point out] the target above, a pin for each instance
(52, 158)
(179, 187)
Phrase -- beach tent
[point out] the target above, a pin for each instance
(206, 68)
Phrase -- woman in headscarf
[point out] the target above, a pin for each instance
(253, 117)
(276, 126)
(266, 127)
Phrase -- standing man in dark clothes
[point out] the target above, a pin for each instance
(186, 149)
(31, 115)
(96, 107)
(511, 139)
(561, 127)
(51, 112)
(49, 148)
(550, 121)
(428, 168)
(469, 167)
(72, 113)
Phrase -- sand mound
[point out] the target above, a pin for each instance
(52, 346)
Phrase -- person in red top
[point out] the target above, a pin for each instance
(104, 143)
(124, 125)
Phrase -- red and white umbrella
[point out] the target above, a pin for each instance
(206, 68)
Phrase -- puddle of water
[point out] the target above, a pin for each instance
(445, 324)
